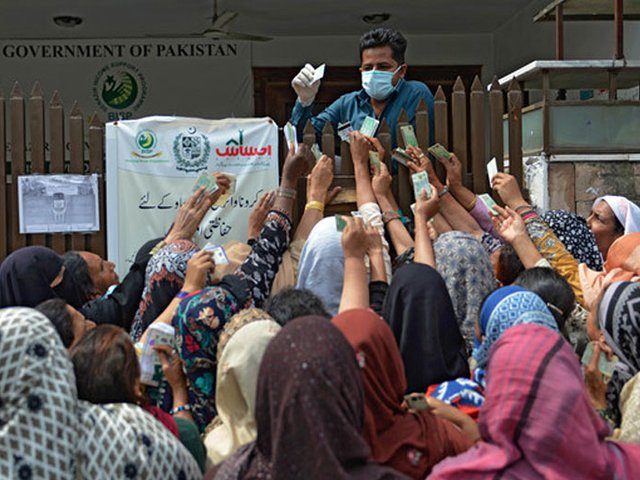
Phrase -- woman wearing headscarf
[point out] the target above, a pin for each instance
(240, 350)
(47, 433)
(614, 323)
(611, 217)
(164, 278)
(309, 411)
(38, 438)
(107, 371)
(406, 440)
(419, 311)
(622, 264)
(31, 275)
(535, 415)
(586, 283)
(503, 309)
(572, 230)
(321, 264)
(466, 269)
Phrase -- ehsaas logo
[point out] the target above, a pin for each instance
(146, 141)
(236, 148)
(191, 150)
(119, 86)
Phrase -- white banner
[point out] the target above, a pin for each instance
(152, 166)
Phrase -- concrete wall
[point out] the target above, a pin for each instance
(343, 51)
(520, 41)
(575, 185)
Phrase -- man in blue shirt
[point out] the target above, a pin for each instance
(384, 90)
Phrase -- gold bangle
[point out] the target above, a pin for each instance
(315, 205)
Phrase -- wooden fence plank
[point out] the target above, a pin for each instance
(56, 154)
(3, 180)
(496, 108)
(98, 242)
(309, 134)
(18, 159)
(478, 154)
(422, 125)
(403, 178)
(459, 118)
(514, 98)
(76, 163)
(328, 141)
(441, 125)
(346, 162)
(384, 135)
(36, 135)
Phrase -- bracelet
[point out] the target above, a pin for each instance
(286, 193)
(181, 408)
(315, 205)
(390, 215)
(472, 205)
(444, 191)
(527, 215)
(182, 294)
(158, 246)
(523, 207)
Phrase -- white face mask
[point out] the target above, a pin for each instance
(378, 83)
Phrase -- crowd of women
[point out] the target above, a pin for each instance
(463, 341)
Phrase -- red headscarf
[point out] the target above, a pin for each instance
(411, 442)
(537, 420)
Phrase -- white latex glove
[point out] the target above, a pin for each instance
(302, 85)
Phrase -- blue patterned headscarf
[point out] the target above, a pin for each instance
(504, 308)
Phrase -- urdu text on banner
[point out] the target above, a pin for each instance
(152, 166)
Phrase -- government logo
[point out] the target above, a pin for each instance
(191, 151)
(119, 86)
(146, 142)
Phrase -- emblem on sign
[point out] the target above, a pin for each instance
(191, 151)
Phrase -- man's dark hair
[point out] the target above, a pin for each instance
(385, 37)
(56, 311)
(77, 267)
(106, 366)
(292, 303)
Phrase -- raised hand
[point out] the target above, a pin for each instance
(507, 187)
(428, 207)
(381, 182)
(304, 86)
(509, 224)
(320, 178)
(354, 238)
(198, 268)
(259, 213)
(297, 163)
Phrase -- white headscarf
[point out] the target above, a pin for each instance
(242, 346)
(627, 212)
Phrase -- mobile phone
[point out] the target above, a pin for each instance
(417, 401)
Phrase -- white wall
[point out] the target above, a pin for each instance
(520, 41)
